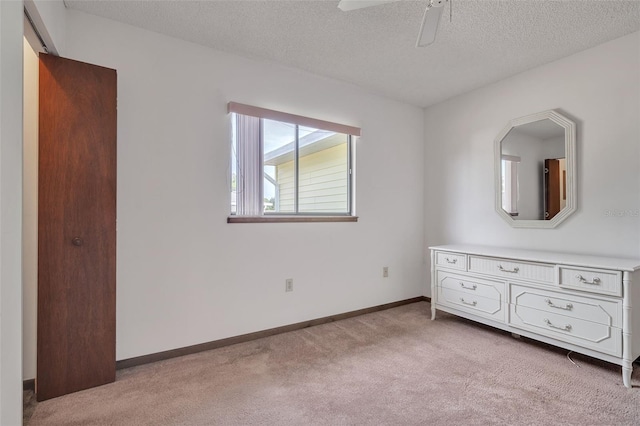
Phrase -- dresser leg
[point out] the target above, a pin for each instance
(433, 285)
(627, 369)
(627, 358)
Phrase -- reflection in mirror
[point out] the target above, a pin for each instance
(526, 152)
(535, 170)
(509, 167)
(555, 186)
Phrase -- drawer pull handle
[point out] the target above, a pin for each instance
(511, 271)
(474, 303)
(596, 280)
(565, 328)
(473, 287)
(453, 262)
(566, 307)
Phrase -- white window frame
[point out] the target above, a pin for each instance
(251, 209)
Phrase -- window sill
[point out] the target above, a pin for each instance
(290, 219)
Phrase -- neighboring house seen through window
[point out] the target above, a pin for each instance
(286, 165)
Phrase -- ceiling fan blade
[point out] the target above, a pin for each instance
(429, 26)
(347, 5)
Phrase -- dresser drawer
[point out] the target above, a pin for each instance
(591, 335)
(592, 280)
(606, 312)
(474, 304)
(472, 286)
(451, 260)
(510, 269)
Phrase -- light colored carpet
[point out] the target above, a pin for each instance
(393, 367)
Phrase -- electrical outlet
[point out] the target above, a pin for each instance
(385, 272)
(288, 286)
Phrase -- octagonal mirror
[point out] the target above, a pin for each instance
(535, 170)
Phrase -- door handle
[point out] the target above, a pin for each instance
(77, 241)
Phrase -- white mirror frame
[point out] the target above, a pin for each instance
(570, 153)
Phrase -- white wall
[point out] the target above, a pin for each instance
(11, 36)
(185, 276)
(30, 212)
(600, 89)
(553, 148)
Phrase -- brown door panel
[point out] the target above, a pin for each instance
(552, 188)
(77, 226)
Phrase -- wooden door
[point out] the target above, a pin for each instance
(76, 227)
(552, 188)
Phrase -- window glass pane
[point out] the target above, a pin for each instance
(279, 166)
(323, 171)
(234, 164)
(509, 177)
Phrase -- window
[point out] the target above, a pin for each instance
(286, 166)
(510, 184)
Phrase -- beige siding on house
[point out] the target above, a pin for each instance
(285, 178)
(323, 182)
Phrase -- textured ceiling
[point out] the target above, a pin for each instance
(485, 41)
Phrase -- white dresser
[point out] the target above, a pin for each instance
(582, 303)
